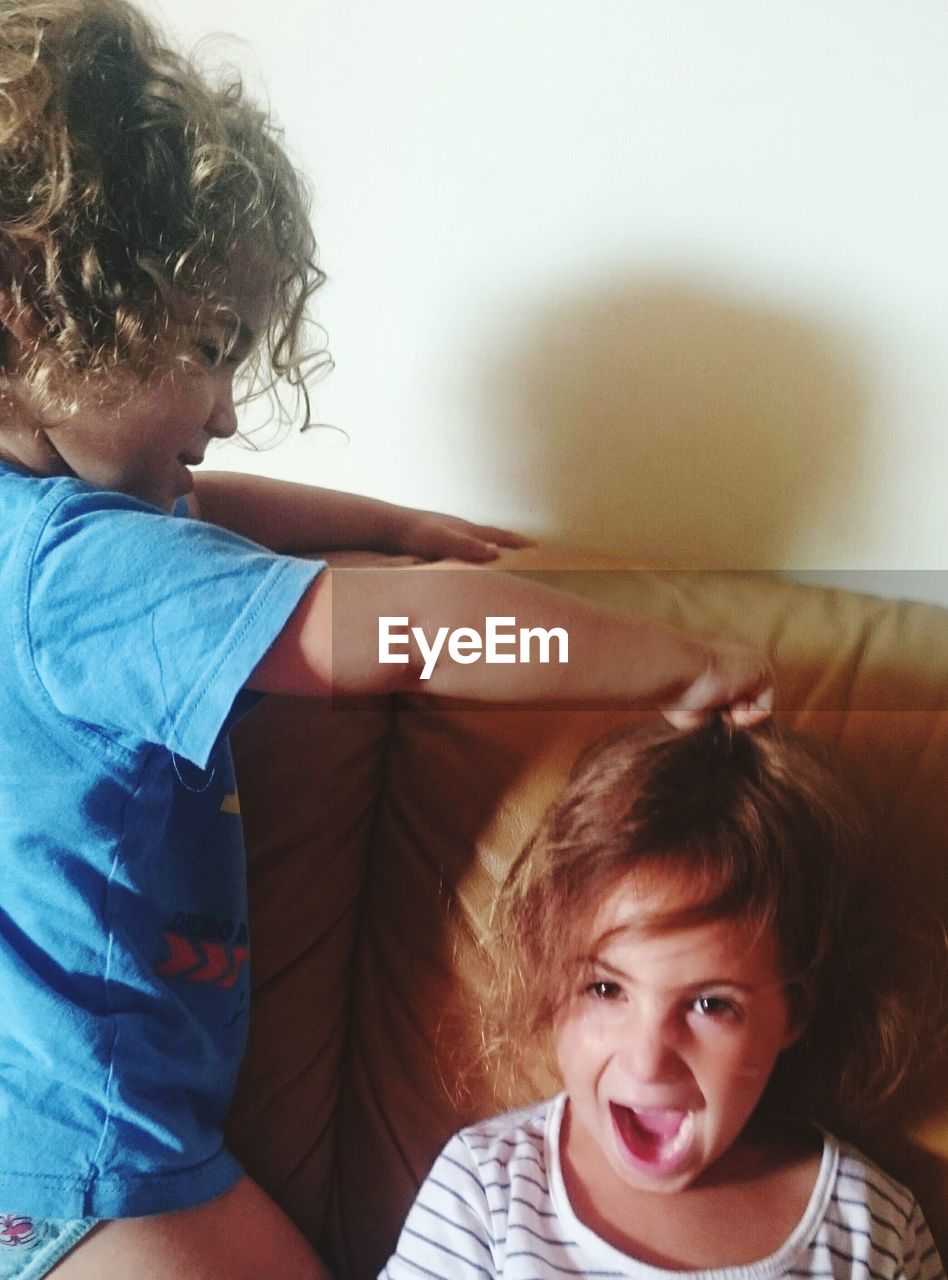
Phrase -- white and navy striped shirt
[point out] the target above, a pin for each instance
(495, 1204)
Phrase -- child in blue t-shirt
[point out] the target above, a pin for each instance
(154, 240)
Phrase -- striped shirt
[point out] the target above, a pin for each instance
(495, 1204)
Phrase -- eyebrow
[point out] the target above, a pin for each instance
(597, 962)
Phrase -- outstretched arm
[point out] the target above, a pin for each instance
(298, 518)
(331, 645)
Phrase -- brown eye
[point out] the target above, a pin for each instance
(716, 1007)
(604, 990)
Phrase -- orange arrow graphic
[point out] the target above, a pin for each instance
(182, 957)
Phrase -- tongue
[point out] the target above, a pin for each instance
(661, 1122)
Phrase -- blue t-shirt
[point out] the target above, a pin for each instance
(127, 635)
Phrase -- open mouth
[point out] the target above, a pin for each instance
(654, 1140)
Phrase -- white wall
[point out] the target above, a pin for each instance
(660, 276)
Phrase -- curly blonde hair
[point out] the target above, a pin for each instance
(765, 828)
(130, 188)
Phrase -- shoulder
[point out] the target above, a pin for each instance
(863, 1191)
(75, 528)
(871, 1219)
(60, 500)
(52, 531)
(524, 1126)
(26, 499)
(76, 537)
(27, 492)
(64, 513)
(510, 1145)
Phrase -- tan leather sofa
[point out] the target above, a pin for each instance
(378, 829)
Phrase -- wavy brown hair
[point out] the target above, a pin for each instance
(130, 188)
(766, 829)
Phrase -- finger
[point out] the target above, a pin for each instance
(685, 720)
(500, 537)
(748, 712)
(742, 713)
(463, 546)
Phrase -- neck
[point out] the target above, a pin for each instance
(24, 441)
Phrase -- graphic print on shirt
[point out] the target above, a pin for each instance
(17, 1232)
(204, 950)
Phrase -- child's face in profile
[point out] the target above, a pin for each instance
(145, 443)
(145, 446)
(668, 1040)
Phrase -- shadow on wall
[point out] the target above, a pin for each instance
(680, 427)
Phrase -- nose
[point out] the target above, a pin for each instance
(650, 1053)
(222, 420)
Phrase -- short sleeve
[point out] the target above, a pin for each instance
(448, 1229)
(147, 624)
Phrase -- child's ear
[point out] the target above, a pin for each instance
(795, 1031)
(798, 1015)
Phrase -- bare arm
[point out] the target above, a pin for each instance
(331, 645)
(291, 517)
